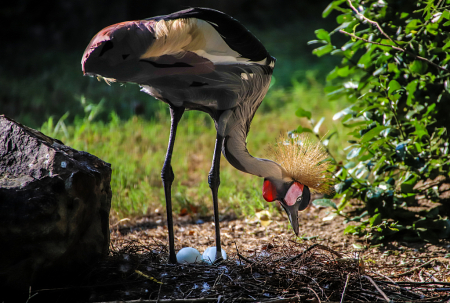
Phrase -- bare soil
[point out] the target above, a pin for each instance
(266, 262)
(258, 266)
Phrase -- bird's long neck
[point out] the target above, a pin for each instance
(235, 151)
(235, 125)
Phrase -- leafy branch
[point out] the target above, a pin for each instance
(398, 118)
(396, 48)
(371, 22)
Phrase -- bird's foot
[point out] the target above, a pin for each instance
(218, 260)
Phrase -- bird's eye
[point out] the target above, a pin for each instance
(299, 199)
(106, 47)
(125, 56)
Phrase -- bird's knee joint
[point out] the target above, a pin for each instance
(167, 174)
(213, 180)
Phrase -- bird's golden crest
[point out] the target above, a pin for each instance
(305, 161)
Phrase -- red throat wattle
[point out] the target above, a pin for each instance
(293, 193)
(269, 191)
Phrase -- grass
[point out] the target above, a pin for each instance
(136, 149)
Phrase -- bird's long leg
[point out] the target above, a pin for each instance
(167, 177)
(214, 182)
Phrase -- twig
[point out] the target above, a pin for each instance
(421, 276)
(218, 279)
(284, 300)
(431, 276)
(311, 247)
(396, 48)
(30, 295)
(160, 286)
(315, 294)
(241, 256)
(345, 288)
(370, 21)
(199, 300)
(412, 270)
(245, 259)
(421, 283)
(378, 288)
(424, 26)
(386, 277)
(302, 253)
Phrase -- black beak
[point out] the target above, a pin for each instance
(292, 211)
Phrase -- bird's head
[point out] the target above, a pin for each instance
(306, 165)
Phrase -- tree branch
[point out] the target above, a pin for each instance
(371, 22)
(396, 48)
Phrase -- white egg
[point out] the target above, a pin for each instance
(209, 256)
(189, 255)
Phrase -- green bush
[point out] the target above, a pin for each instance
(394, 71)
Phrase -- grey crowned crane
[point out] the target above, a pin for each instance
(200, 59)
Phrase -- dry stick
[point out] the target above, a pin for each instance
(378, 288)
(412, 270)
(407, 283)
(241, 256)
(392, 282)
(302, 253)
(386, 277)
(200, 300)
(311, 247)
(284, 300)
(396, 48)
(431, 276)
(245, 259)
(345, 288)
(160, 285)
(315, 294)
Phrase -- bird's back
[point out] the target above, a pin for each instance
(198, 58)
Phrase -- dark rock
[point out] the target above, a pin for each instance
(54, 209)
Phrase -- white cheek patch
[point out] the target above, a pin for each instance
(295, 191)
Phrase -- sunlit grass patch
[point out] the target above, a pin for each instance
(136, 150)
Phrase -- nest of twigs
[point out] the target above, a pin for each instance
(288, 272)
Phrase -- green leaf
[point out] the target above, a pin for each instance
(337, 93)
(372, 133)
(375, 220)
(358, 246)
(412, 26)
(317, 126)
(393, 87)
(447, 45)
(302, 129)
(343, 186)
(344, 71)
(332, 6)
(418, 67)
(323, 35)
(323, 50)
(411, 89)
(342, 113)
(350, 229)
(354, 153)
(303, 113)
(420, 130)
(325, 203)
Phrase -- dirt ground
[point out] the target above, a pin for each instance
(260, 243)
(252, 235)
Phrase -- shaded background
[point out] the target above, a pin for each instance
(43, 42)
